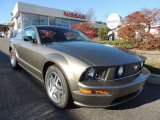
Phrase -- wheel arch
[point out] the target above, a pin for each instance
(60, 62)
(46, 66)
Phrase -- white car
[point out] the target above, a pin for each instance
(1, 34)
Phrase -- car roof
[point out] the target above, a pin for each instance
(47, 26)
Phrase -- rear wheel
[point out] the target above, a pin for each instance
(57, 87)
(13, 60)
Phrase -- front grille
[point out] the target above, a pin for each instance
(111, 73)
(102, 75)
(106, 74)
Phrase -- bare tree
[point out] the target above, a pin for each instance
(78, 10)
(151, 16)
(91, 14)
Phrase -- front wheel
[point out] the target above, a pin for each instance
(57, 87)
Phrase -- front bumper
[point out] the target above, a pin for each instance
(120, 90)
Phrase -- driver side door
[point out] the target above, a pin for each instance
(29, 52)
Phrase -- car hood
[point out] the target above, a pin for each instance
(97, 54)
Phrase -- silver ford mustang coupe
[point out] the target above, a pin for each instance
(75, 69)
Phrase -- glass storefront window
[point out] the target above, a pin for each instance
(19, 22)
(65, 22)
(34, 20)
(43, 20)
(29, 19)
(25, 20)
(59, 21)
(52, 21)
(74, 22)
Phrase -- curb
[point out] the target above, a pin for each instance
(154, 79)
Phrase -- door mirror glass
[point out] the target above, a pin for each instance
(30, 35)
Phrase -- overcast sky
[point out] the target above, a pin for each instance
(102, 7)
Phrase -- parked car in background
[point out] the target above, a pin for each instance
(1, 34)
(73, 68)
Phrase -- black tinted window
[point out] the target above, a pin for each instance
(51, 34)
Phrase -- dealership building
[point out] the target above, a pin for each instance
(25, 14)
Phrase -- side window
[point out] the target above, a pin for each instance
(19, 35)
(30, 33)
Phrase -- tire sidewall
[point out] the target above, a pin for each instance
(65, 98)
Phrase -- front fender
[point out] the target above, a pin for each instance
(62, 63)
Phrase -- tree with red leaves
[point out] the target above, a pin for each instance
(86, 28)
(127, 32)
(144, 18)
(138, 26)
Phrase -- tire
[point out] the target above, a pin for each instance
(13, 60)
(111, 37)
(57, 88)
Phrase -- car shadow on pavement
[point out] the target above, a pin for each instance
(149, 94)
(23, 97)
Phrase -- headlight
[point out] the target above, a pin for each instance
(90, 73)
(120, 71)
(142, 63)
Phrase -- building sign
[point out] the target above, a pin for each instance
(74, 15)
(113, 21)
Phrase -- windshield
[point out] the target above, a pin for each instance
(53, 34)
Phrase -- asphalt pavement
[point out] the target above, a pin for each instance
(23, 97)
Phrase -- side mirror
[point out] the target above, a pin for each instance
(29, 38)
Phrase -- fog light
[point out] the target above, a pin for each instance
(93, 91)
(120, 71)
(101, 92)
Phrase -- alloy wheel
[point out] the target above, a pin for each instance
(54, 87)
